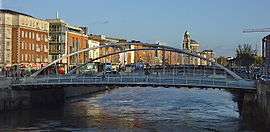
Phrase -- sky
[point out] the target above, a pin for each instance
(215, 24)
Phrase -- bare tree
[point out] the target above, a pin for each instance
(245, 55)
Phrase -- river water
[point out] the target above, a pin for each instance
(134, 109)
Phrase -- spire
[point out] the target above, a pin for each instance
(187, 34)
(57, 15)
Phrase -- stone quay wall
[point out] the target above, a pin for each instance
(30, 97)
(263, 101)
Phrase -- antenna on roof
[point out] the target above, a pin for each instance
(57, 15)
(189, 27)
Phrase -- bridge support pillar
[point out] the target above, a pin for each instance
(249, 110)
(256, 108)
(47, 97)
(263, 102)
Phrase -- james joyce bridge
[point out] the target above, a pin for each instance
(213, 76)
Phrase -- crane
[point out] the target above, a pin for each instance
(259, 30)
(265, 46)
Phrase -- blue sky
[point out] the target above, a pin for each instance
(215, 24)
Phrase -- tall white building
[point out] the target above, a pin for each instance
(93, 53)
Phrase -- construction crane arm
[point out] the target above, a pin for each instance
(256, 30)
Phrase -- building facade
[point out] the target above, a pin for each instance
(103, 40)
(76, 42)
(66, 39)
(208, 54)
(152, 57)
(191, 46)
(266, 53)
(23, 40)
(93, 53)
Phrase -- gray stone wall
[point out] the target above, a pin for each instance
(10, 100)
(47, 96)
(263, 100)
(83, 90)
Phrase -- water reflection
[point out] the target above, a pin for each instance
(138, 109)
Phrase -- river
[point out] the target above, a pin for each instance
(134, 109)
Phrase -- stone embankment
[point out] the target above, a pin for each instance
(256, 107)
(10, 99)
(16, 98)
(263, 101)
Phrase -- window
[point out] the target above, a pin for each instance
(25, 45)
(26, 34)
(22, 35)
(30, 35)
(33, 47)
(22, 45)
(45, 37)
(41, 36)
(8, 34)
(37, 48)
(33, 35)
(26, 57)
(22, 57)
(41, 48)
(45, 48)
(37, 37)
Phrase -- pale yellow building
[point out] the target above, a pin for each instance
(209, 54)
(93, 53)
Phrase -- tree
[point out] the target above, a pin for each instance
(245, 55)
(223, 61)
(258, 61)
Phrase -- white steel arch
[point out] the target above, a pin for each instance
(153, 47)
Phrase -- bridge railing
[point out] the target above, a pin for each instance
(128, 79)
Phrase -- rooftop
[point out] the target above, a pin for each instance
(194, 42)
(13, 12)
(209, 50)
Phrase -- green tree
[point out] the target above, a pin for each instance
(245, 55)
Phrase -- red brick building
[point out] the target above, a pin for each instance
(23, 41)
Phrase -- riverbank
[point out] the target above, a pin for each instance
(11, 99)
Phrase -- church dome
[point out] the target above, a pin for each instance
(194, 42)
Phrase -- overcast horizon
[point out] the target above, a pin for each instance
(215, 25)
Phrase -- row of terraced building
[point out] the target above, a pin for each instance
(30, 42)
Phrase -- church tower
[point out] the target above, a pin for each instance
(187, 41)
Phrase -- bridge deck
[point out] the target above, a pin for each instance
(168, 81)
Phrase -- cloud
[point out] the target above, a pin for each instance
(101, 22)
(105, 22)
